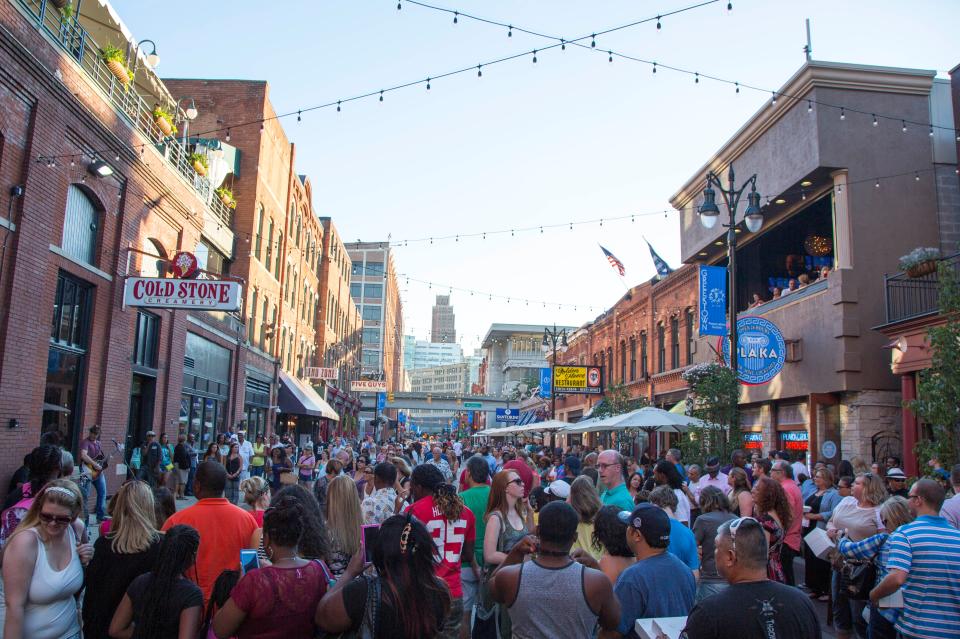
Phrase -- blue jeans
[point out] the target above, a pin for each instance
(256, 471)
(100, 484)
(189, 489)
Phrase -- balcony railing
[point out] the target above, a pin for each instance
(74, 39)
(908, 297)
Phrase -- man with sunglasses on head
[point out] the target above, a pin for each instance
(752, 607)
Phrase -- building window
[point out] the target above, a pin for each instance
(609, 365)
(276, 268)
(66, 358)
(211, 260)
(147, 339)
(355, 290)
(675, 342)
(80, 225)
(644, 367)
(633, 358)
(661, 348)
(623, 362)
(269, 261)
(371, 336)
(258, 237)
(372, 313)
(689, 337)
(374, 268)
(373, 291)
(251, 327)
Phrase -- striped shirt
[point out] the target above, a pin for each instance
(928, 550)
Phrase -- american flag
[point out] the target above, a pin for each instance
(614, 262)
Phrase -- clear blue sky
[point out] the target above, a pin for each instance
(572, 137)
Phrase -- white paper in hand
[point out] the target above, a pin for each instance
(818, 541)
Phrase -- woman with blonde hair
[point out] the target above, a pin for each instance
(126, 552)
(256, 494)
(894, 512)
(856, 517)
(584, 499)
(343, 523)
(42, 567)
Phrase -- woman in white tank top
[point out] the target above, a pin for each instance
(42, 568)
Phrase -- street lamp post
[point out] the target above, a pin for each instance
(753, 220)
(556, 341)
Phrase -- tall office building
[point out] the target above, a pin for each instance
(442, 328)
(418, 353)
(373, 286)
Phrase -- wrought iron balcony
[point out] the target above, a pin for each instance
(71, 37)
(909, 297)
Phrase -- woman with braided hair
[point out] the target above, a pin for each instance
(453, 528)
(163, 604)
(406, 600)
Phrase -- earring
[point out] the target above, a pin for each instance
(269, 551)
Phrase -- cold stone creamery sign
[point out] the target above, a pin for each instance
(208, 295)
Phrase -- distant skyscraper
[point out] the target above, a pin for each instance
(442, 328)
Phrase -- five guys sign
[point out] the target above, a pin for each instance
(159, 292)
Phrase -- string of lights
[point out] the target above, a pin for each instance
(611, 54)
(557, 41)
(491, 296)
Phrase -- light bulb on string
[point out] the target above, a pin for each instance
(773, 100)
(737, 85)
(338, 106)
(563, 45)
(931, 130)
(809, 106)
(381, 95)
(117, 157)
(877, 185)
(534, 56)
(455, 14)
(610, 53)
(593, 41)
(479, 71)
(428, 84)
(299, 118)
(655, 68)
(876, 122)
(843, 114)
(696, 78)
(903, 125)
(917, 176)
(729, 6)
(509, 31)
(399, 6)
(658, 23)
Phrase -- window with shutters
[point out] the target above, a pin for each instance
(633, 358)
(251, 327)
(661, 348)
(81, 224)
(689, 337)
(258, 237)
(675, 341)
(269, 259)
(276, 268)
(623, 362)
(148, 339)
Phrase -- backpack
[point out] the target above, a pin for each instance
(12, 516)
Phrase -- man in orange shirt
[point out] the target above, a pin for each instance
(224, 528)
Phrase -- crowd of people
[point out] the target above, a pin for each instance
(444, 539)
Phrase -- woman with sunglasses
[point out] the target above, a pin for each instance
(856, 517)
(894, 513)
(43, 566)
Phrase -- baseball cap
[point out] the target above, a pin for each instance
(559, 489)
(653, 524)
(150, 433)
(572, 464)
(896, 473)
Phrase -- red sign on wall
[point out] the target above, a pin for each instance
(184, 265)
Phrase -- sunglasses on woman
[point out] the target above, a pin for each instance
(517, 481)
(61, 520)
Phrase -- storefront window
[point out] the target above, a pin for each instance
(65, 359)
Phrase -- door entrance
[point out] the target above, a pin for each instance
(142, 393)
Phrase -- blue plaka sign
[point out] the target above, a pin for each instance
(546, 382)
(761, 353)
(508, 415)
(712, 286)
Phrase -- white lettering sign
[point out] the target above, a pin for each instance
(158, 292)
(368, 386)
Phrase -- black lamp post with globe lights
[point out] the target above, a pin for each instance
(752, 219)
(556, 341)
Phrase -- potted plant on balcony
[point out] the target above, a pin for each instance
(920, 261)
(226, 196)
(200, 163)
(164, 121)
(116, 62)
(65, 7)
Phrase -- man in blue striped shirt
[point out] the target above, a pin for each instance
(924, 561)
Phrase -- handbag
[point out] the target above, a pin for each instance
(485, 617)
(371, 613)
(857, 578)
(288, 478)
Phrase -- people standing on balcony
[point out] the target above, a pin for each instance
(756, 300)
(792, 286)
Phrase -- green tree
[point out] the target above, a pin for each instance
(713, 397)
(938, 392)
(617, 401)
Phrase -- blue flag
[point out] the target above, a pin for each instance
(663, 269)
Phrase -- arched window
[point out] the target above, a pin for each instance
(276, 267)
(258, 237)
(623, 362)
(251, 327)
(153, 259)
(269, 260)
(80, 226)
(661, 348)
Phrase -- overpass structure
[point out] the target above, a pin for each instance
(452, 403)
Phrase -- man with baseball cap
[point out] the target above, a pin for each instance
(659, 584)
(559, 489)
(897, 483)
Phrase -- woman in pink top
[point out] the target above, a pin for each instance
(276, 601)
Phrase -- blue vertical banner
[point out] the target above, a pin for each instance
(381, 400)
(712, 287)
(546, 382)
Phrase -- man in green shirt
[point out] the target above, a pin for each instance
(610, 467)
(475, 497)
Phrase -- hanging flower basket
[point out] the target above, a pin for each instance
(923, 268)
(164, 122)
(226, 197)
(116, 63)
(199, 163)
(920, 262)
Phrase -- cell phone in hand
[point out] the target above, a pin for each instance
(369, 537)
(248, 560)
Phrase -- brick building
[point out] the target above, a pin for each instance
(93, 191)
